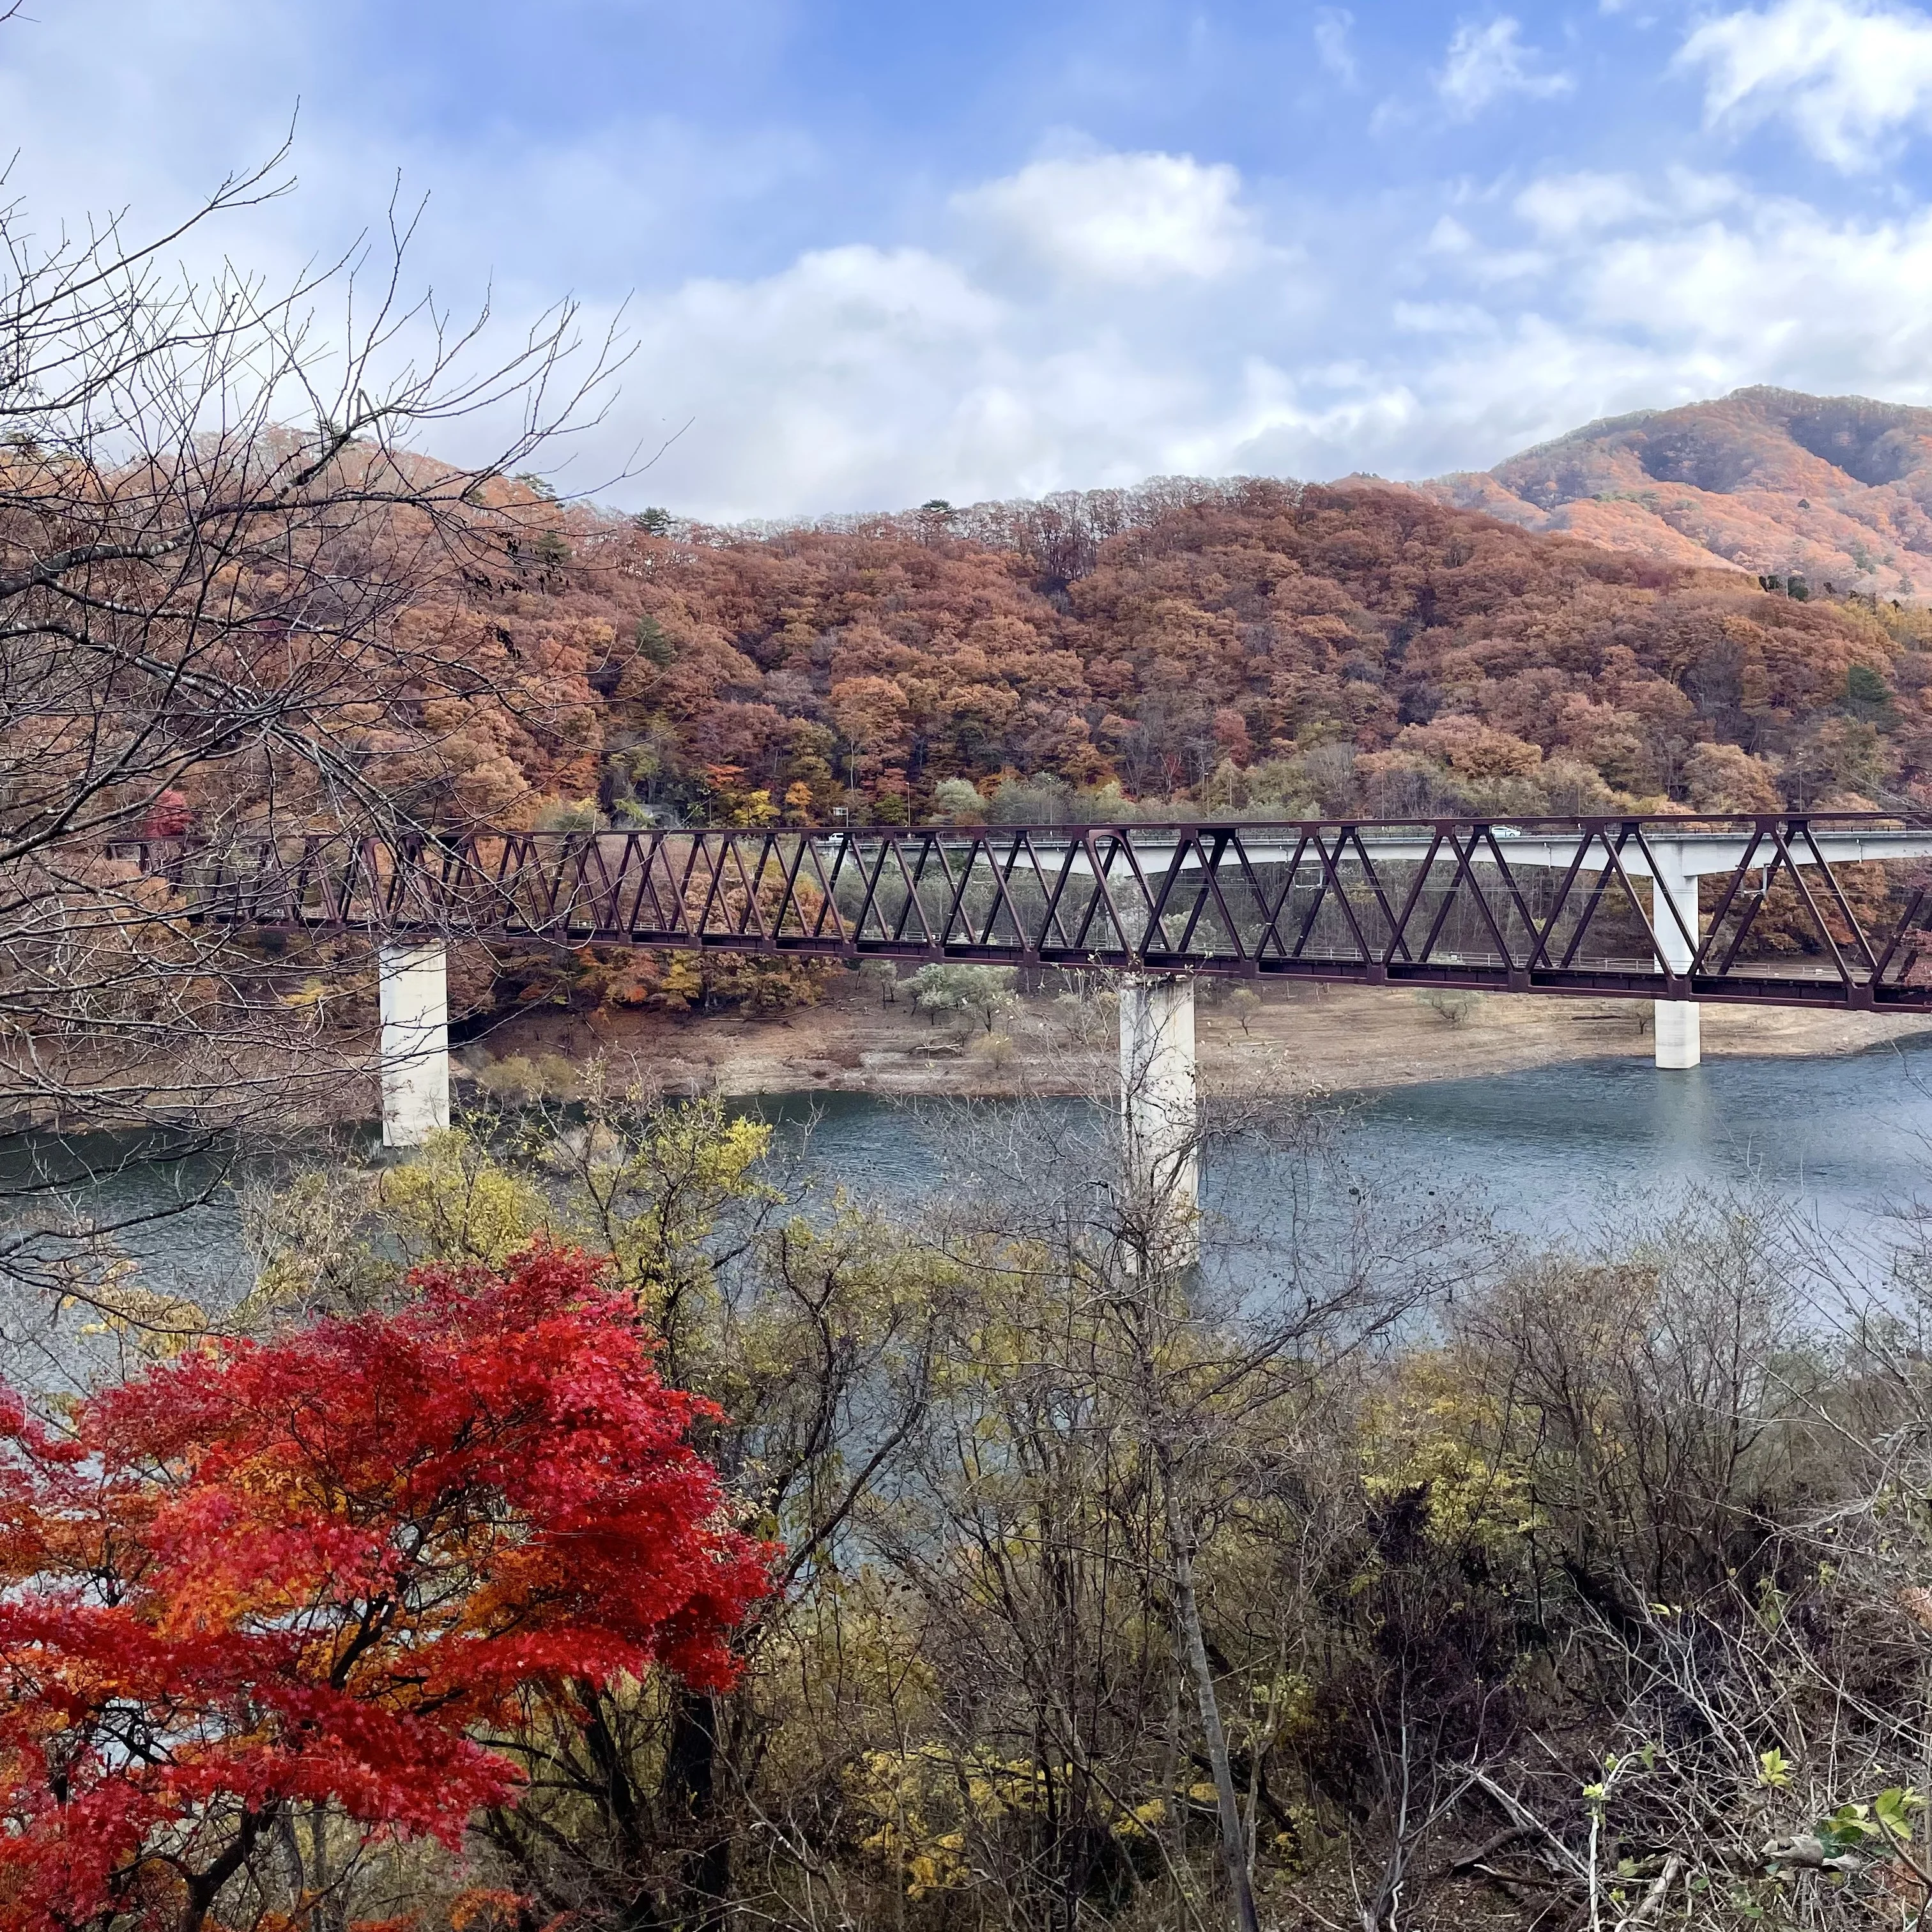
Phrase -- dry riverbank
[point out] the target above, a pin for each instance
(1336, 1037)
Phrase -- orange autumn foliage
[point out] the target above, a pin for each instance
(1169, 640)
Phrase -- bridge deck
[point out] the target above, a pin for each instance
(1822, 910)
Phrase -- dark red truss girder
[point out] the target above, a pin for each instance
(1824, 909)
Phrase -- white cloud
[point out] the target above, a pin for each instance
(860, 378)
(1845, 73)
(1562, 205)
(1655, 291)
(1444, 318)
(1126, 219)
(1776, 286)
(1331, 42)
(1092, 318)
(1485, 63)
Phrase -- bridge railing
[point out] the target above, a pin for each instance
(1794, 909)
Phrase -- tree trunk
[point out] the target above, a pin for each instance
(1233, 1839)
(690, 1781)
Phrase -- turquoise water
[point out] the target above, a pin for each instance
(1548, 1151)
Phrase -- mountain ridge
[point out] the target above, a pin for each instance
(1764, 481)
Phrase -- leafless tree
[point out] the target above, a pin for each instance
(215, 504)
(1130, 1401)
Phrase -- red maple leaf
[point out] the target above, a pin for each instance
(321, 1569)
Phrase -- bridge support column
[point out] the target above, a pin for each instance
(412, 993)
(1677, 1024)
(1160, 1113)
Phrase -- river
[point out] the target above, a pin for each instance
(1548, 1154)
(1547, 1151)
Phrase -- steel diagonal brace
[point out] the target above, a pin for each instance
(1732, 887)
(1301, 938)
(957, 884)
(1127, 847)
(828, 885)
(1540, 958)
(1883, 964)
(1222, 840)
(1693, 943)
(1103, 896)
(1811, 904)
(1368, 872)
(1334, 880)
(1036, 943)
(1157, 903)
(886, 848)
(1519, 976)
(1417, 885)
(1004, 897)
(1271, 915)
(1851, 918)
(1050, 923)
(1466, 872)
(1614, 860)
(788, 903)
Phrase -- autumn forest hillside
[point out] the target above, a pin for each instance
(1765, 482)
(1250, 646)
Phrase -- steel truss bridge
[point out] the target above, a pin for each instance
(1818, 910)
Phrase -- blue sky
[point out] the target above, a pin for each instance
(868, 254)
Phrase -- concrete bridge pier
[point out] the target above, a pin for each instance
(412, 995)
(1677, 1024)
(1160, 1111)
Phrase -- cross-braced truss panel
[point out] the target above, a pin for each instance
(1830, 910)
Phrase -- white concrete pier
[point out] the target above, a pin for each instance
(412, 993)
(1160, 1111)
(1679, 1030)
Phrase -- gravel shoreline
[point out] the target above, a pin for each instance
(1338, 1038)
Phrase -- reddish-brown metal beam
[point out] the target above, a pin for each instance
(1822, 909)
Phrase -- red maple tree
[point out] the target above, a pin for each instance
(313, 1571)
